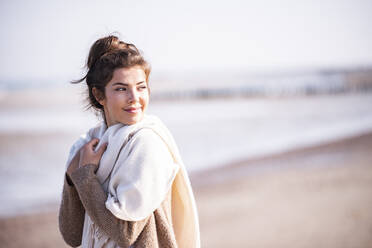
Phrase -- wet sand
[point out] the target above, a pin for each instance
(313, 197)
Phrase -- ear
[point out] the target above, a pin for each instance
(98, 95)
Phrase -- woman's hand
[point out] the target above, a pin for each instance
(89, 156)
(86, 155)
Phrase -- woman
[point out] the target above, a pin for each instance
(125, 183)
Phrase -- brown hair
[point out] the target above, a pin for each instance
(106, 55)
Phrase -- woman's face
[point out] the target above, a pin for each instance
(126, 96)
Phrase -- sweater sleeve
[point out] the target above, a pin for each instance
(93, 198)
(71, 215)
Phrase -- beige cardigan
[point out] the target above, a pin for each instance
(87, 195)
(175, 213)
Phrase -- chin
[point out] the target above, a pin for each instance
(133, 120)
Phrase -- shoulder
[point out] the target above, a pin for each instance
(146, 146)
(148, 138)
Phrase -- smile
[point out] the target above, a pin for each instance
(132, 110)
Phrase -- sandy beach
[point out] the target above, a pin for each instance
(269, 105)
(313, 197)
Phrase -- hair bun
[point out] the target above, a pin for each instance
(107, 45)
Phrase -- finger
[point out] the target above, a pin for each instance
(102, 149)
(93, 143)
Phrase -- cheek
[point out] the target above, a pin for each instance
(115, 101)
(145, 100)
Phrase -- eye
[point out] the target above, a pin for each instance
(142, 87)
(121, 89)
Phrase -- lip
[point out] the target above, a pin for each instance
(132, 110)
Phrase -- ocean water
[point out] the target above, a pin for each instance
(35, 140)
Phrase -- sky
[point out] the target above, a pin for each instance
(43, 40)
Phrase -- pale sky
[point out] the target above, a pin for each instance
(51, 39)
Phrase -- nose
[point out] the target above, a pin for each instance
(133, 96)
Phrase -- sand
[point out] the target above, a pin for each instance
(313, 197)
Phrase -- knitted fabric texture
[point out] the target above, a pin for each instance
(137, 177)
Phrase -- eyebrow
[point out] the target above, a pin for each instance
(120, 83)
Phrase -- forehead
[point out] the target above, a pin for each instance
(130, 75)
